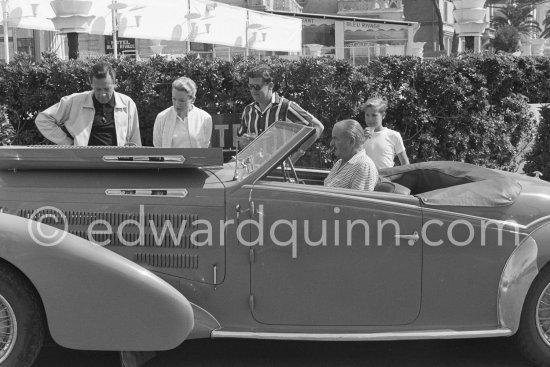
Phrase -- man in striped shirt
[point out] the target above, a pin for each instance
(354, 169)
(269, 107)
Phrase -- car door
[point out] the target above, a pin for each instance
(324, 256)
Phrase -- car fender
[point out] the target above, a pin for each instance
(93, 298)
(520, 271)
(205, 323)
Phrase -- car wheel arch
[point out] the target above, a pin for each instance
(523, 267)
(531, 338)
(56, 271)
(4, 263)
(24, 325)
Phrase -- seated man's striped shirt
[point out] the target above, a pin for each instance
(358, 173)
(253, 120)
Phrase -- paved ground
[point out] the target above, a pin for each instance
(244, 353)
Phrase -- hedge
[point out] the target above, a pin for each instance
(538, 159)
(472, 108)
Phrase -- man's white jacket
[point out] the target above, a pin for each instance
(76, 112)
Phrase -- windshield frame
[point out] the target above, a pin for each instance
(248, 170)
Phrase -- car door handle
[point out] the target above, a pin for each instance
(414, 237)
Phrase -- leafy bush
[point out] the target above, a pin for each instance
(443, 109)
(506, 39)
(538, 158)
(472, 108)
(7, 133)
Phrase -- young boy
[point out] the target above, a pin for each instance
(384, 144)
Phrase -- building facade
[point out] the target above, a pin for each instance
(353, 29)
(425, 13)
(421, 11)
(31, 42)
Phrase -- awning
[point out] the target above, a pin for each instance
(176, 20)
(21, 14)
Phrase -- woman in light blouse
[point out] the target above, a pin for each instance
(183, 125)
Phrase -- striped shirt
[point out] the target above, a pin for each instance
(358, 173)
(254, 120)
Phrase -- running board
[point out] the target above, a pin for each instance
(403, 335)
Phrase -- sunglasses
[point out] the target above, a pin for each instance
(256, 87)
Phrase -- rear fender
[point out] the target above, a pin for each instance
(519, 273)
(93, 298)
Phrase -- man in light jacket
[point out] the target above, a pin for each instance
(183, 125)
(101, 117)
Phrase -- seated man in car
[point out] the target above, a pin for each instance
(354, 169)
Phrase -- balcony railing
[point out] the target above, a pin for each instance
(368, 5)
(287, 5)
(278, 5)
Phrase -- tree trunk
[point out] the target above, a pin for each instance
(439, 24)
(73, 45)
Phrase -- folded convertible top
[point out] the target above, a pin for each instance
(456, 183)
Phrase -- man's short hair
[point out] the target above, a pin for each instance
(100, 70)
(380, 103)
(261, 71)
(354, 131)
(185, 84)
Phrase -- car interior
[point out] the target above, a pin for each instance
(424, 180)
(398, 180)
(284, 173)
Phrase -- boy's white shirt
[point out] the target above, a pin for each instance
(383, 146)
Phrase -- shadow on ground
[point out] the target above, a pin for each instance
(472, 353)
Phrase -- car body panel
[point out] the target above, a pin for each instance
(116, 158)
(92, 297)
(462, 266)
(299, 263)
(414, 287)
(153, 230)
(520, 271)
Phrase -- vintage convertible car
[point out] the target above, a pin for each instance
(139, 249)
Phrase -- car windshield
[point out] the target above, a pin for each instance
(275, 141)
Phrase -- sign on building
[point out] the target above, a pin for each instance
(125, 45)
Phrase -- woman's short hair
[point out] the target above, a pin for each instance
(354, 130)
(100, 70)
(380, 103)
(184, 84)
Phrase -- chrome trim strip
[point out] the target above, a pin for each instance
(398, 335)
(541, 219)
(172, 159)
(425, 210)
(475, 217)
(307, 189)
(519, 273)
(312, 170)
(165, 193)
